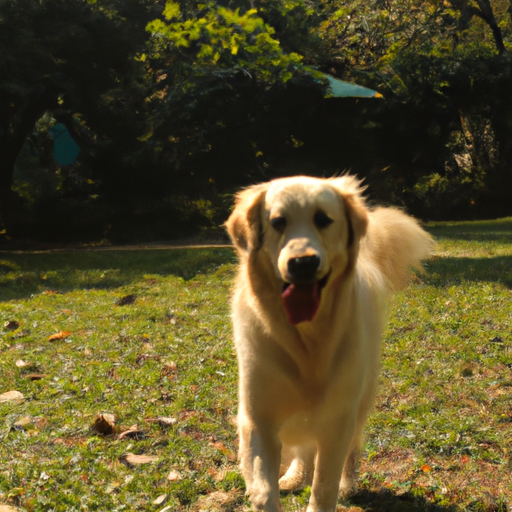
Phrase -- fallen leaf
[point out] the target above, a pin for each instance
(169, 368)
(218, 501)
(219, 445)
(35, 376)
(23, 364)
(426, 468)
(166, 509)
(11, 325)
(8, 508)
(11, 396)
(217, 474)
(162, 421)
(133, 460)
(23, 422)
(160, 500)
(62, 335)
(126, 300)
(133, 432)
(104, 423)
(173, 476)
(465, 459)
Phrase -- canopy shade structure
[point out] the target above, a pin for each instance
(65, 149)
(340, 89)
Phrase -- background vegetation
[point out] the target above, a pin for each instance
(176, 104)
(124, 381)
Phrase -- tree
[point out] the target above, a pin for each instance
(216, 74)
(445, 70)
(62, 56)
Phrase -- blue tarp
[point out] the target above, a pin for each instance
(340, 89)
(65, 149)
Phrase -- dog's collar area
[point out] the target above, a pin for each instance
(301, 301)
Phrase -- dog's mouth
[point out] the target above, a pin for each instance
(301, 300)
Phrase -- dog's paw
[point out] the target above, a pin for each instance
(348, 486)
(291, 484)
(295, 477)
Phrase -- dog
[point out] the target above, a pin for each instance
(316, 269)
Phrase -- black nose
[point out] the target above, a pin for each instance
(303, 269)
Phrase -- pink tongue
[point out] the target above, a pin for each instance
(301, 302)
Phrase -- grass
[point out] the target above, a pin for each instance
(145, 335)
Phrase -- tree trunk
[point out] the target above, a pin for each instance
(486, 13)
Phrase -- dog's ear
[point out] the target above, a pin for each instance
(351, 193)
(244, 224)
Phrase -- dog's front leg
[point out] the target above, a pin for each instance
(332, 451)
(260, 456)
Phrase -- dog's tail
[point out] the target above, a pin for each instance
(394, 243)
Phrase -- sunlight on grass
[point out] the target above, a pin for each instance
(145, 335)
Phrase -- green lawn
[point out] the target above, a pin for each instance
(145, 336)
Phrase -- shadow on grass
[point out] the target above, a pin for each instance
(386, 501)
(478, 231)
(23, 274)
(443, 271)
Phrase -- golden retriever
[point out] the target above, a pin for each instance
(316, 268)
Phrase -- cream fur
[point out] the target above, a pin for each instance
(305, 390)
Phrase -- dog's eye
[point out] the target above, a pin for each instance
(278, 223)
(322, 220)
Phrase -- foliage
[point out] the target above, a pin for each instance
(217, 36)
(444, 68)
(182, 102)
(69, 59)
(145, 334)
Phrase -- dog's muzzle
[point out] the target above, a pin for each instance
(303, 270)
(301, 296)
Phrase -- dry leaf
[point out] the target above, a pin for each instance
(9, 508)
(35, 376)
(104, 423)
(426, 468)
(134, 432)
(217, 474)
(166, 509)
(23, 422)
(133, 460)
(218, 501)
(11, 325)
(173, 476)
(62, 335)
(162, 421)
(160, 500)
(11, 396)
(219, 445)
(169, 368)
(23, 364)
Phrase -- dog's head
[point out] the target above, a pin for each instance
(309, 228)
